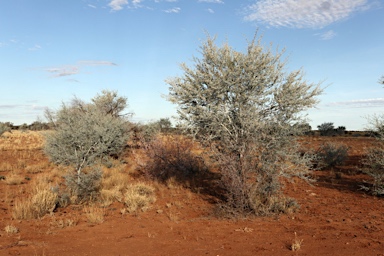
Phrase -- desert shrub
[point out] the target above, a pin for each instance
(243, 106)
(341, 130)
(4, 128)
(139, 197)
(37, 126)
(173, 157)
(305, 128)
(326, 129)
(85, 134)
(147, 132)
(144, 133)
(330, 155)
(374, 160)
(374, 163)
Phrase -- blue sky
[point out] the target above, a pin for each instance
(53, 50)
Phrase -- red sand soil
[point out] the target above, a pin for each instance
(335, 218)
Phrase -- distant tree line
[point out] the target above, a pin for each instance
(328, 129)
(35, 126)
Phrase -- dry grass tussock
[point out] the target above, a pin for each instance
(139, 197)
(18, 140)
(94, 214)
(63, 223)
(114, 178)
(296, 244)
(113, 184)
(41, 201)
(10, 229)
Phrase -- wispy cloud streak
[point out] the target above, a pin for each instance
(303, 13)
(327, 35)
(63, 71)
(211, 1)
(173, 10)
(363, 103)
(70, 70)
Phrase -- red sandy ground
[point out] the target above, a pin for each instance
(335, 218)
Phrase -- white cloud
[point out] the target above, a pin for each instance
(136, 3)
(363, 103)
(173, 10)
(92, 6)
(96, 63)
(35, 48)
(117, 5)
(210, 10)
(211, 1)
(327, 35)
(63, 71)
(70, 70)
(303, 13)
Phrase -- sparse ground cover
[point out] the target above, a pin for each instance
(335, 217)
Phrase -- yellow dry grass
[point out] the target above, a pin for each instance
(41, 202)
(139, 197)
(114, 178)
(113, 184)
(6, 167)
(14, 179)
(95, 215)
(10, 229)
(18, 140)
(296, 244)
(36, 168)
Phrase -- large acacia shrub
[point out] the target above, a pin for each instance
(243, 105)
(83, 135)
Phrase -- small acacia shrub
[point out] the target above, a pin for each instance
(139, 197)
(330, 155)
(173, 157)
(85, 134)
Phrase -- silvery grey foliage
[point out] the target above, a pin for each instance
(244, 105)
(4, 128)
(374, 160)
(84, 133)
(111, 103)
